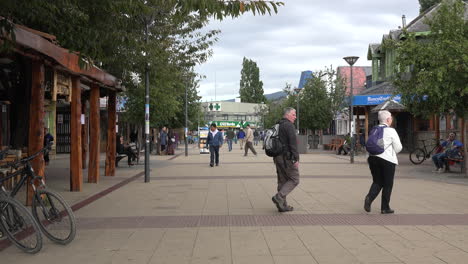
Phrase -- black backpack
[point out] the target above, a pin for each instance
(272, 143)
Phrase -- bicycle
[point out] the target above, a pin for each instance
(52, 213)
(17, 222)
(419, 155)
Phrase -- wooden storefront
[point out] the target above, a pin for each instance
(42, 85)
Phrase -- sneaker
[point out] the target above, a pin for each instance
(279, 202)
(441, 170)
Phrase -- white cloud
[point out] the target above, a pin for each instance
(304, 35)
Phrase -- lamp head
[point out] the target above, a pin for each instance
(351, 59)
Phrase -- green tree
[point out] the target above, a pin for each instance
(251, 88)
(315, 103)
(435, 77)
(336, 87)
(112, 34)
(426, 4)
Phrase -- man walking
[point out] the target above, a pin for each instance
(215, 141)
(382, 166)
(287, 164)
(230, 136)
(249, 137)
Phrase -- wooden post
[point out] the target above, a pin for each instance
(84, 133)
(437, 127)
(111, 137)
(36, 123)
(366, 125)
(95, 135)
(76, 173)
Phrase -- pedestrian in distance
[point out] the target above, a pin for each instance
(287, 163)
(230, 136)
(163, 139)
(256, 137)
(214, 141)
(384, 139)
(241, 138)
(48, 138)
(249, 138)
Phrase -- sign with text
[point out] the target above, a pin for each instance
(374, 99)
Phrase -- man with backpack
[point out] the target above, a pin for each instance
(383, 146)
(286, 158)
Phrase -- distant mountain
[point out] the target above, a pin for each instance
(269, 97)
(275, 96)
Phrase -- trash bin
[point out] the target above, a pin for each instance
(302, 144)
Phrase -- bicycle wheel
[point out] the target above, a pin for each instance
(54, 215)
(19, 225)
(417, 156)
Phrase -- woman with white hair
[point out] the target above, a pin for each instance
(382, 165)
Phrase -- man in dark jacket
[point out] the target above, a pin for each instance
(287, 164)
(215, 141)
(48, 139)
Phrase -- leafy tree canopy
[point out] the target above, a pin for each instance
(426, 4)
(435, 69)
(125, 37)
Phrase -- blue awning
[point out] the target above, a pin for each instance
(374, 99)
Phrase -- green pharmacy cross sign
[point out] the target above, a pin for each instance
(214, 107)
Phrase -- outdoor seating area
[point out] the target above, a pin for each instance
(334, 144)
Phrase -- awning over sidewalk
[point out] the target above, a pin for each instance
(389, 105)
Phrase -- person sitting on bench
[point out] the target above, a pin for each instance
(451, 148)
(346, 147)
(125, 149)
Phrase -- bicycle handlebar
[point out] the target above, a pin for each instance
(29, 158)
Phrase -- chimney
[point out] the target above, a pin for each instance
(403, 19)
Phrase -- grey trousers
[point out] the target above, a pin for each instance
(248, 145)
(288, 175)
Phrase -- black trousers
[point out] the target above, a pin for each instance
(383, 173)
(214, 154)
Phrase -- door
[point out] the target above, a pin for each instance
(63, 139)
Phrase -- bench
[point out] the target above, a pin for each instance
(453, 160)
(119, 157)
(5, 170)
(334, 144)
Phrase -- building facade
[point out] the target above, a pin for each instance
(233, 114)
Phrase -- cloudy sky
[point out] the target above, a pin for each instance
(304, 35)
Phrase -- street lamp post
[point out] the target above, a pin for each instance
(351, 60)
(297, 90)
(186, 121)
(147, 119)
